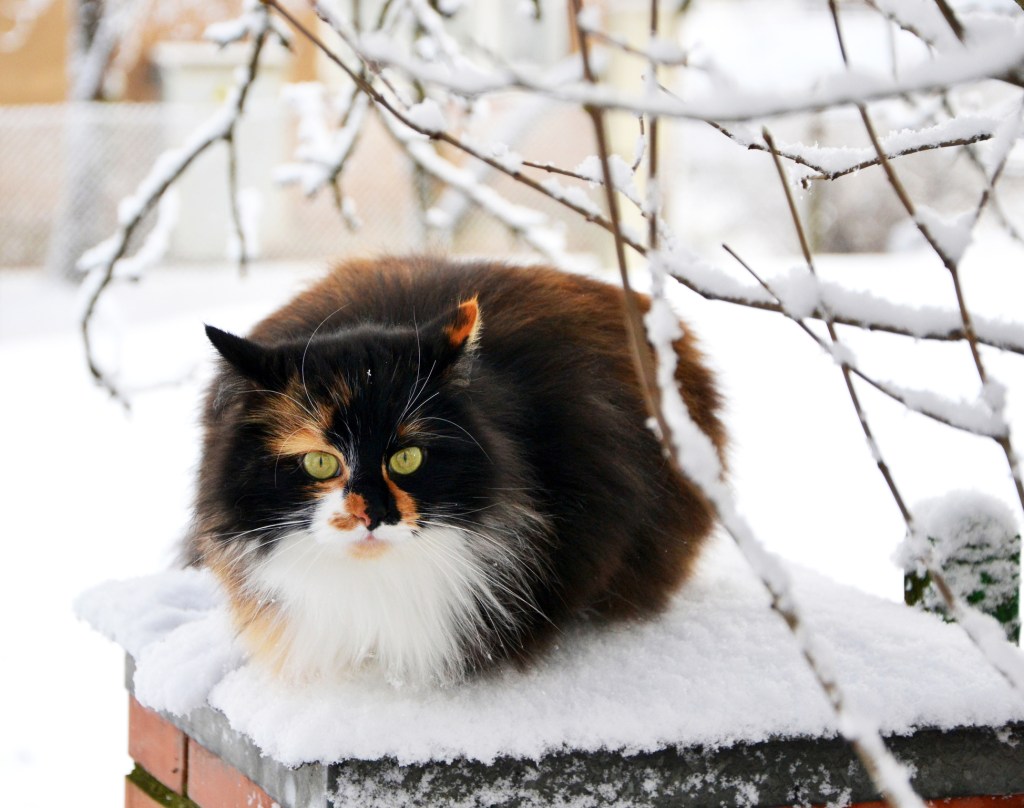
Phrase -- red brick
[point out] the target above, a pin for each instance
(212, 783)
(1012, 801)
(135, 797)
(157, 746)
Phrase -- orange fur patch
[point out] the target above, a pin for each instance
(367, 549)
(262, 629)
(406, 504)
(260, 624)
(300, 427)
(466, 325)
(356, 507)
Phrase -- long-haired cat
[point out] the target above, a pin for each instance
(426, 468)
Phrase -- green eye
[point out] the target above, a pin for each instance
(406, 461)
(320, 465)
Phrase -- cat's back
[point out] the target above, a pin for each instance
(515, 301)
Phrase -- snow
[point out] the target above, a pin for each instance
(999, 52)
(427, 115)
(971, 531)
(717, 669)
(951, 234)
(622, 174)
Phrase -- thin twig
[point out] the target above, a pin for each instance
(951, 19)
(949, 261)
(235, 205)
(653, 191)
(823, 173)
(646, 371)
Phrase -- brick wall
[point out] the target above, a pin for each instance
(174, 771)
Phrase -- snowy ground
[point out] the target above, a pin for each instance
(108, 498)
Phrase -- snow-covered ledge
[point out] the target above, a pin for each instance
(709, 705)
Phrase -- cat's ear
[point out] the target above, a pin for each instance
(461, 328)
(249, 358)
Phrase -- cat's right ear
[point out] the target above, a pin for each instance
(249, 358)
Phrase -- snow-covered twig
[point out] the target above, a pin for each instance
(100, 262)
(695, 456)
(646, 371)
(1009, 666)
(861, 310)
(833, 163)
(514, 171)
(948, 241)
(526, 223)
(999, 56)
(975, 418)
(321, 157)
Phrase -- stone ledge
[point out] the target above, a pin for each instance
(968, 762)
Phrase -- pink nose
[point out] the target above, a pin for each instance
(356, 506)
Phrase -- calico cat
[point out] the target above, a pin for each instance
(424, 469)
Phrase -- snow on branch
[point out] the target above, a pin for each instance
(975, 624)
(100, 263)
(321, 156)
(526, 223)
(695, 456)
(833, 163)
(800, 297)
(997, 56)
(948, 238)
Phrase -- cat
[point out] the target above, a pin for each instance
(427, 469)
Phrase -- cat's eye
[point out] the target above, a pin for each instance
(406, 461)
(320, 465)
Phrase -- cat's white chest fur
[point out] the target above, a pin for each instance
(403, 610)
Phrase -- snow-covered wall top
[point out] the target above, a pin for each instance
(717, 669)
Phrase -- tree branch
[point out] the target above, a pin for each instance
(102, 260)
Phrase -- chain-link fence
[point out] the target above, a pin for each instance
(64, 170)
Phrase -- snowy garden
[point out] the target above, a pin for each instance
(830, 193)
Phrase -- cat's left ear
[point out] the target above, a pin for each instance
(252, 360)
(461, 329)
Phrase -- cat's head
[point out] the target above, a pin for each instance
(348, 496)
(361, 434)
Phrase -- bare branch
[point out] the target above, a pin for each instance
(239, 239)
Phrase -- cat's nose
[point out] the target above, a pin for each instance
(361, 510)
